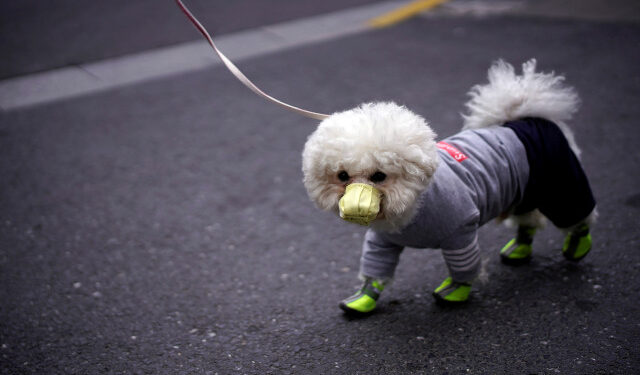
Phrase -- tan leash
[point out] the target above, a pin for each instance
(240, 76)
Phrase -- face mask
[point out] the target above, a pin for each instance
(360, 203)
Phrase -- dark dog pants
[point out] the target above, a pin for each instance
(557, 185)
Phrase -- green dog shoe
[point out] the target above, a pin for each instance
(452, 293)
(577, 244)
(363, 302)
(518, 250)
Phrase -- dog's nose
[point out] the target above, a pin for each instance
(360, 203)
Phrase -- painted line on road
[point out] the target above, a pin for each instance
(83, 79)
(403, 13)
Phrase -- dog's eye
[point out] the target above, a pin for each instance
(343, 176)
(377, 177)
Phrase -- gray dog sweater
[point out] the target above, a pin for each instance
(481, 174)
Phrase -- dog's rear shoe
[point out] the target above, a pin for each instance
(518, 250)
(577, 244)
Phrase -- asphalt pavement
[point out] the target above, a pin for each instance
(163, 228)
(37, 36)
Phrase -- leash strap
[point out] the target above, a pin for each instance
(239, 75)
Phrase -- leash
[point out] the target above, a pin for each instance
(240, 76)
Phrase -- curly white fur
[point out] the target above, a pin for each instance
(372, 137)
(508, 96)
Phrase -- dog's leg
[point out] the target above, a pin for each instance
(518, 250)
(464, 266)
(577, 243)
(364, 301)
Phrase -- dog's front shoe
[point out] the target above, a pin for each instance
(577, 244)
(364, 301)
(451, 292)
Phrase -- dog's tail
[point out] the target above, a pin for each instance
(509, 97)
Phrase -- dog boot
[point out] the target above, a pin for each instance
(364, 301)
(577, 243)
(518, 250)
(451, 292)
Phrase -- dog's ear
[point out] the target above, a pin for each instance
(421, 161)
(412, 140)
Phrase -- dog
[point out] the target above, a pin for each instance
(380, 165)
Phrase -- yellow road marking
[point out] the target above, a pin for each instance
(404, 13)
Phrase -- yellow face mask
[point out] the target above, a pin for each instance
(360, 203)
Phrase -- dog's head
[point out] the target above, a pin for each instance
(382, 145)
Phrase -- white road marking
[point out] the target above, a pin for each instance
(73, 81)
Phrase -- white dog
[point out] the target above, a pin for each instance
(380, 165)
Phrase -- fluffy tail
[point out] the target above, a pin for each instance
(508, 97)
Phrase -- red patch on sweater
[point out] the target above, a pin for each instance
(454, 152)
